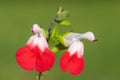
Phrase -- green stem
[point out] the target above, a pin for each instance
(40, 76)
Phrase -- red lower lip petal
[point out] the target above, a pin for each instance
(25, 58)
(72, 63)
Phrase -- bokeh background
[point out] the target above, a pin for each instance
(102, 59)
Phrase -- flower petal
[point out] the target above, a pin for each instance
(42, 43)
(45, 61)
(25, 58)
(37, 41)
(76, 47)
(72, 63)
(69, 37)
(76, 64)
(64, 61)
(88, 36)
(36, 28)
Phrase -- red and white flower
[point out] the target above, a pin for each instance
(73, 59)
(35, 54)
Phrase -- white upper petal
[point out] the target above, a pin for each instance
(38, 41)
(42, 43)
(30, 40)
(88, 36)
(36, 29)
(69, 38)
(76, 47)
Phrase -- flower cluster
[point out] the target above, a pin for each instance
(38, 53)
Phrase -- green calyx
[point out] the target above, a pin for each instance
(61, 38)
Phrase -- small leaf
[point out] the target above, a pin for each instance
(65, 23)
(54, 32)
(53, 35)
(59, 10)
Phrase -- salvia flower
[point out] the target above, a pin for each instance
(73, 59)
(35, 54)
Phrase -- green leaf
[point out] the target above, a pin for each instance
(65, 23)
(53, 36)
(60, 45)
(54, 32)
(59, 10)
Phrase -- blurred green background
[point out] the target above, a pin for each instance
(102, 59)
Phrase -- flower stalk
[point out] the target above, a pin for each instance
(39, 76)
